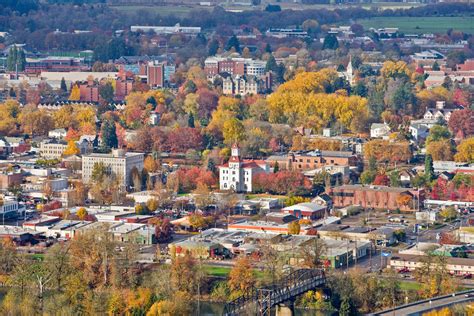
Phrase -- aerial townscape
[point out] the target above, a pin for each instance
(236, 157)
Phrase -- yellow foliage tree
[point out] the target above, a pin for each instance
(71, 149)
(303, 102)
(440, 150)
(294, 228)
(75, 93)
(465, 151)
(82, 213)
(395, 69)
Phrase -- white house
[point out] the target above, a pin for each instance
(237, 174)
(378, 130)
(419, 131)
(57, 133)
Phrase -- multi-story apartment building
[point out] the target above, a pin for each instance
(234, 66)
(119, 163)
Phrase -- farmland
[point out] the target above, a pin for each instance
(419, 25)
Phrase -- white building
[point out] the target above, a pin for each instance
(236, 175)
(58, 133)
(10, 208)
(166, 29)
(52, 149)
(119, 163)
(379, 130)
(439, 112)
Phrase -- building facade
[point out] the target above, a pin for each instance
(236, 175)
(119, 163)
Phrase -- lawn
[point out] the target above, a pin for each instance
(218, 271)
(410, 25)
(409, 286)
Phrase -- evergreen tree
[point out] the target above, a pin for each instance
(435, 66)
(233, 43)
(360, 89)
(429, 170)
(268, 48)
(330, 42)
(271, 64)
(63, 85)
(276, 168)
(21, 60)
(191, 120)
(280, 73)
(106, 92)
(109, 135)
(372, 164)
(213, 47)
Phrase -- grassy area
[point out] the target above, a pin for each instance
(217, 271)
(224, 271)
(409, 286)
(409, 25)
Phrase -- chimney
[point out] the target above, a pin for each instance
(440, 105)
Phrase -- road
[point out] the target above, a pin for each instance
(426, 306)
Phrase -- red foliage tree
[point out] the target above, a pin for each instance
(182, 139)
(381, 179)
(189, 178)
(282, 182)
(461, 123)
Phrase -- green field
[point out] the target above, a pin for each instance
(409, 286)
(410, 25)
(224, 271)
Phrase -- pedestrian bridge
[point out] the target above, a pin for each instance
(259, 301)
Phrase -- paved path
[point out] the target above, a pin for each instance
(426, 306)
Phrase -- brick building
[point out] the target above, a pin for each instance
(378, 197)
(8, 179)
(310, 160)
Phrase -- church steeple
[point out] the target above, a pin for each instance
(235, 151)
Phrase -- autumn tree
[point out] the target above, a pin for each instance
(386, 151)
(241, 277)
(312, 253)
(440, 149)
(75, 93)
(82, 213)
(461, 123)
(71, 149)
(294, 228)
(465, 151)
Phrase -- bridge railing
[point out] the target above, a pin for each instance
(264, 299)
(422, 302)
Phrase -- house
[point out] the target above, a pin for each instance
(406, 176)
(379, 130)
(439, 112)
(323, 200)
(10, 178)
(237, 173)
(311, 211)
(244, 85)
(418, 131)
(9, 145)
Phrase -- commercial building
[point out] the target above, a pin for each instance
(10, 208)
(311, 211)
(10, 178)
(119, 163)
